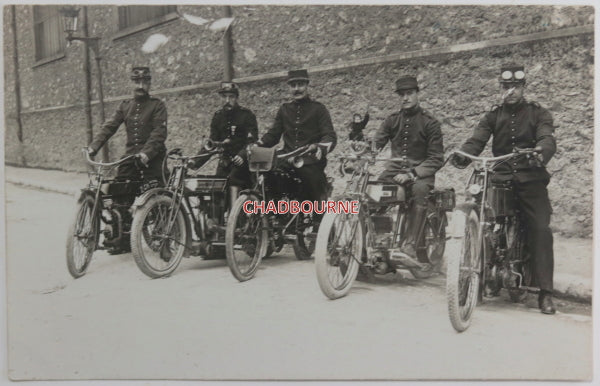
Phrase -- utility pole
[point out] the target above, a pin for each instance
(88, 81)
(228, 48)
(13, 25)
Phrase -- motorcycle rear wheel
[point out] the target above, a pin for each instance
(82, 238)
(246, 240)
(338, 250)
(435, 245)
(155, 253)
(463, 276)
(304, 245)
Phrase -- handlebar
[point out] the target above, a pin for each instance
(504, 157)
(104, 164)
(299, 152)
(176, 154)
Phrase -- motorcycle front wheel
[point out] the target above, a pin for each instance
(158, 237)
(337, 253)
(82, 238)
(246, 239)
(463, 276)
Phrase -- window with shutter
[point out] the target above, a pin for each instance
(48, 32)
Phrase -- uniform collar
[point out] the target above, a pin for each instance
(142, 98)
(515, 107)
(412, 111)
(304, 100)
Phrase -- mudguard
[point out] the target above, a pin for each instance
(456, 223)
(84, 193)
(251, 191)
(143, 199)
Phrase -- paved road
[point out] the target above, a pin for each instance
(201, 323)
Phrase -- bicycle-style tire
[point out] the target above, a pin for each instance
(463, 276)
(86, 228)
(333, 260)
(246, 240)
(155, 253)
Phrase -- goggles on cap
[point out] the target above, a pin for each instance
(140, 74)
(508, 75)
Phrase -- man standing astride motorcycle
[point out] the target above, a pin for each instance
(304, 121)
(236, 125)
(416, 137)
(518, 123)
(145, 121)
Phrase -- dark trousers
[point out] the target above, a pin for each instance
(129, 169)
(237, 175)
(534, 203)
(314, 182)
(418, 191)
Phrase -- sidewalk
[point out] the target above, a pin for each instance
(573, 257)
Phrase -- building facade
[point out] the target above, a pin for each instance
(353, 53)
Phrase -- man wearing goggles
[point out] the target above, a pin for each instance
(518, 123)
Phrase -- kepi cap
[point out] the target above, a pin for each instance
(297, 75)
(512, 73)
(407, 82)
(229, 87)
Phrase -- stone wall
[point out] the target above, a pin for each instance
(456, 88)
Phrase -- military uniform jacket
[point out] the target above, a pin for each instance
(238, 124)
(146, 125)
(416, 136)
(524, 125)
(301, 123)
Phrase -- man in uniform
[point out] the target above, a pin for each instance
(416, 137)
(237, 126)
(145, 119)
(518, 123)
(304, 121)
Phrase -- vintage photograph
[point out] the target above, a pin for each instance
(299, 191)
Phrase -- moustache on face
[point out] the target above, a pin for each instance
(508, 93)
(228, 105)
(140, 90)
(298, 93)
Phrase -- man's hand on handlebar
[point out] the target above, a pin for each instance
(237, 160)
(143, 158)
(91, 152)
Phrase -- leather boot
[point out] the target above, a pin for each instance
(545, 303)
(413, 229)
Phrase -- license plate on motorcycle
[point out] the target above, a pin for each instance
(206, 184)
(384, 193)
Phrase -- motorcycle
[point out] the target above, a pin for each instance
(493, 253)
(371, 240)
(102, 219)
(252, 236)
(185, 218)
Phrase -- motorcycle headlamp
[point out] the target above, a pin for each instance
(474, 189)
